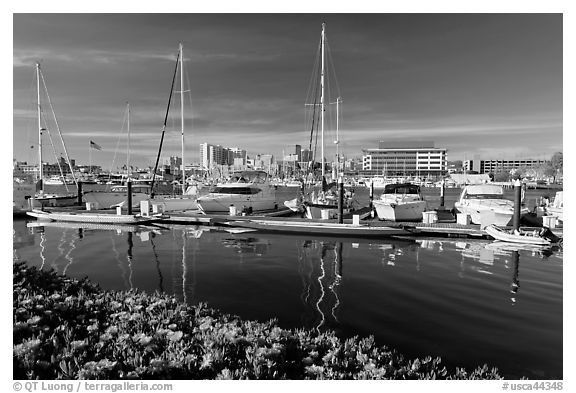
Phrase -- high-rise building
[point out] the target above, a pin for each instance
(298, 152)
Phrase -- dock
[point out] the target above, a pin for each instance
(277, 221)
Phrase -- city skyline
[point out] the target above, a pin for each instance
(487, 85)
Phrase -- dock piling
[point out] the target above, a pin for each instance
(442, 194)
(79, 201)
(129, 191)
(517, 204)
(340, 200)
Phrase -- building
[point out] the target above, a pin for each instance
(211, 155)
(405, 158)
(237, 157)
(298, 152)
(214, 155)
(175, 165)
(495, 166)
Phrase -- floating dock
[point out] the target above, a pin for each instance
(276, 221)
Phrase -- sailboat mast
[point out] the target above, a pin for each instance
(128, 144)
(322, 97)
(40, 166)
(182, 116)
(337, 136)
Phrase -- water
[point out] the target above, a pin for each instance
(468, 302)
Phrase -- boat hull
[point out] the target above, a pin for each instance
(212, 203)
(90, 217)
(323, 228)
(520, 237)
(407, 211)
(109, 199)
(176, 203)
(500, 217)
(320, 211)
(47, 200)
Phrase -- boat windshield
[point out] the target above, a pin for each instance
(236, 190)
(401, 189)
(484, 196)
(248, 177)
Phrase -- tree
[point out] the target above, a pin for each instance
(557, 164)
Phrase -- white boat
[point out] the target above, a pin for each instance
(118, 196)
(54, 181)
(557, 206)
(538, 236)
(324, 205)
(400, 202)
(95, 218)
(482, 198)
(247, 190)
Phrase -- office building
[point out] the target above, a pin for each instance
(404, 158)
(496, 166)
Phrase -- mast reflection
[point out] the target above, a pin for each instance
(321, 272)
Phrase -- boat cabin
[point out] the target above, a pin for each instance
(482, 191)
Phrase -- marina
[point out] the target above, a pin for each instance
(218, 211)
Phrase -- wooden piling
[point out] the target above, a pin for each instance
(442, 194)
(79, 201)
(517, 204)
(340, 200)
(129, 191)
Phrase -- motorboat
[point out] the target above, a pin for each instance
(54, 181)
(534, 236)
(245, 190)
(400, 202)
(477, 199)
(118, 196)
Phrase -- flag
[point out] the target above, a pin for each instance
(95, 146)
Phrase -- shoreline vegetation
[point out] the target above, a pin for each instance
(66, 328)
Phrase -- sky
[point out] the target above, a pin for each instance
(481, 85)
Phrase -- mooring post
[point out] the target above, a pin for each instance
(340, 199)
(371, 193)
(79, 201)
(517, 204)
(129, 190)
(442, 194)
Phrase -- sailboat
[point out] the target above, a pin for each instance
(41, 197)
(323, 204)
(187, 200)
(118, 194)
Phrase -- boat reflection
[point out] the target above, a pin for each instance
(73, 233)
(247, 245)
(490, 254)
